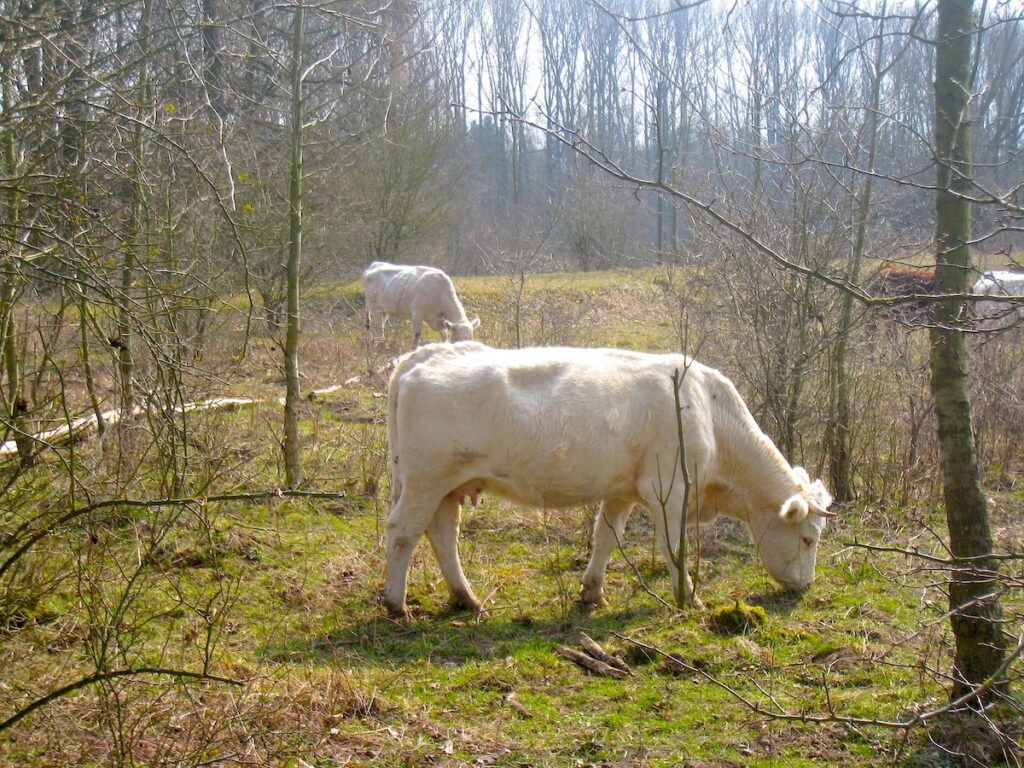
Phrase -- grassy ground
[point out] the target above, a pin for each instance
(281, 597)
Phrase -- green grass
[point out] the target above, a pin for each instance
(441, 684)
(329, 680)
(450, 673)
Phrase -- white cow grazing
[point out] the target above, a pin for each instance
(422, 294)
(556, 427)
(999, 283)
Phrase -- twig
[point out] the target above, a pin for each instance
(915, 552)
(513, 701)
(112, 675)
(781, 713)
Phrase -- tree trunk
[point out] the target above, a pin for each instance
(973, 596)
(137, 230)
(292, 454)
(15, 401)
(840, 425)
(660, 116)
(213, 65)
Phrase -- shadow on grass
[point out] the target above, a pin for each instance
(455, 638)
(777, 601)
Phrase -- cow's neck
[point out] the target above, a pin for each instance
(455, 312)
(751, 464)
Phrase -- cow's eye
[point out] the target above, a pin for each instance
(807, 540)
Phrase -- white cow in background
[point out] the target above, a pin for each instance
(557, 427)
(999, 283)
(422, 294)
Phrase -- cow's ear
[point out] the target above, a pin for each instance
(476, 322)
(447, 324)
(794, 509)
(819, 497)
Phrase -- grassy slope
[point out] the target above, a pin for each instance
(331, 681)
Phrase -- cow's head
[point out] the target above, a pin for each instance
(787, 538)
(462, 330)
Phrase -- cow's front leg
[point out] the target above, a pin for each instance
(443, 533)
(609, 526)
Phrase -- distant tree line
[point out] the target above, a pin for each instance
(771, 109)
(155, 131)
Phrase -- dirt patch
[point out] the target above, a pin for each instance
(820, 742)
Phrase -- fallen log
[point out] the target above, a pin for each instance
(73, 430)
(84, 426)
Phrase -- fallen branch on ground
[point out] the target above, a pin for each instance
(589, 663)
(599, 653)
(86, 425)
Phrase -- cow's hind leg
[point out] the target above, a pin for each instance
(408, 520)
(443, 533)
(417, 329)
(609, 526)
(375, 325)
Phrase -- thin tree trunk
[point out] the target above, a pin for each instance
(136, 232)
(839, 427)
(16, 406)
(83, 327)
(213, 65)
(292, 453)
(973, 591)
(661, 115)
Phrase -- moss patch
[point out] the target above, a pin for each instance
(740, 618)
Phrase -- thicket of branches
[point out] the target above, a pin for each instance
(144, 217)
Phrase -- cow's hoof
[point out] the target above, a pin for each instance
(467, 603)
(397, 612)
(591, 602)
(592, 596)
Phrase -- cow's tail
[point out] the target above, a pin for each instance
(392, 431)
(394, 392)
(403, 366)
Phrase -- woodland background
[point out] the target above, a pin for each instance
(178, 180)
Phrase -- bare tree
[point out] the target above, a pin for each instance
(871, 52)
(292, 447)
(14, 402)
(975, 611)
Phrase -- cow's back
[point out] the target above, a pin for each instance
(548, 427)
(404, 291)
(431, 293)
(1000, 283)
